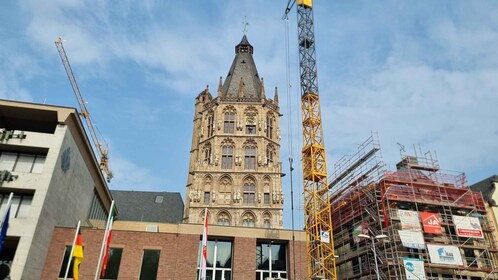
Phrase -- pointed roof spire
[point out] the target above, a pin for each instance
(220, 87)
(275, 98)
(244, 46)
(262, 93)
(243, 69)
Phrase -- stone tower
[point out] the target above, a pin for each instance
(235, 170)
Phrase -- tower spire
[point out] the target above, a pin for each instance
(220, 87)
(262, 93)
(275, 98)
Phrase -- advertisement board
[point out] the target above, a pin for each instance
(414, 269)
(409, 219)
(431, 222)
(467, 226)
(412, 239)
(444, 254)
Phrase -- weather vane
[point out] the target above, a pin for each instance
(246, 24)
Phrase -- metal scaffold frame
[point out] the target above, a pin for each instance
(366, 198)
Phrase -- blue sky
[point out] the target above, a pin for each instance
(417, 72)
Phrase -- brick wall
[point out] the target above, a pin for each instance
(178, 258)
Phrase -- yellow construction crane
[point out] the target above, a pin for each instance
(317, 210)
(103, 152)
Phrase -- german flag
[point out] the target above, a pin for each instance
(77, 255)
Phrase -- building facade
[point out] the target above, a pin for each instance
(46, 160)
(235, 170)
(416, 222)
(172, 252)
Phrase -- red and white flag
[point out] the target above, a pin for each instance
(204, 246)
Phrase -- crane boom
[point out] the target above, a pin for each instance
(103, 152)
(317, 210)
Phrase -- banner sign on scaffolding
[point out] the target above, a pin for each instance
(360, 229)
(431, 222)
(409, 219)
(414, 269)
(444, 254)
(412, 239)
(467, 226)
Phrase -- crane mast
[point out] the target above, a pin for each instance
(103, 152)
(317, 210)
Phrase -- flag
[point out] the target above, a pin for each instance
(107, 242)
(204, 246)
(77, 255)
(5, 225)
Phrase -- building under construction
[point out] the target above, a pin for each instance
(413, 223)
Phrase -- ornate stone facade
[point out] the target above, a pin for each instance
(235, 170)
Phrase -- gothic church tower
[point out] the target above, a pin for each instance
(235, 170)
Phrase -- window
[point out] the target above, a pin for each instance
(150, 263)
(206, 197)
(269, 127)
(229, 124)
(210, 125)
(267, 199)
(22, 162)
(249, 193)
(65, 259)
(270, 260)
(113, 263)
(248, 220)
(269, 155)
(219, 260)
(267, 224)
(207, 154)
(223, 219)
(20, 204)
(226, 157)
(250, 129)
(250, 158)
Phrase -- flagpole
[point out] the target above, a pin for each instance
(204, 246)
(9, 202)
(72, 250)
(97, 273)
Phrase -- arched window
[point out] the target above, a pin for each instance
(229, 123)
(226, 157)
(207, 153)
(249, 193)
(250, 157)
(248, 220)
(269, 154)
(266, 220)
(223, 219)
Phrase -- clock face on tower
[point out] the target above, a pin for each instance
(250, 120)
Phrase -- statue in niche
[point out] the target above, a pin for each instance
(278, 134)
(216, 159)
(191, 196)
(259, 197)
(219, 125)
(213, 196)
(282, 197)
(236, 197)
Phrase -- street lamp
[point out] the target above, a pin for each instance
(380, 236)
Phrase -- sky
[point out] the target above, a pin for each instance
(422, 74)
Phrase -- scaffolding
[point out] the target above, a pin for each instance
(368, 199)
